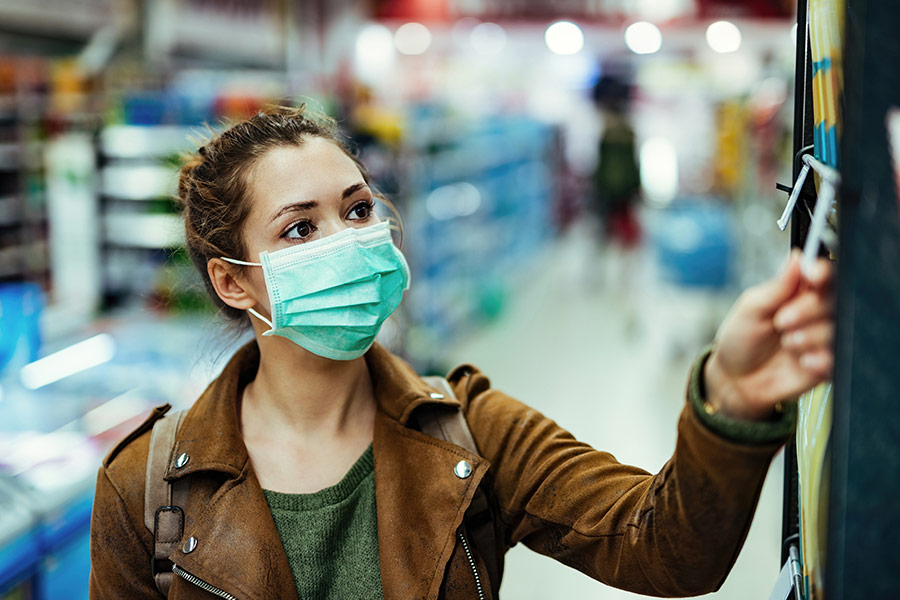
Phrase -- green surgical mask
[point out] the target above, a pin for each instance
(331, 296)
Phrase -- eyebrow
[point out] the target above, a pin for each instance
(311, 204)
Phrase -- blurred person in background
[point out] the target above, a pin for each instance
(303, 470)
(617, 184)
(617, 177)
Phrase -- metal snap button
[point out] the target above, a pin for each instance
(436, 396)
(462, 469)
(182, 460)
(190, 545)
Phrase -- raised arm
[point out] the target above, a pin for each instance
(676, 533)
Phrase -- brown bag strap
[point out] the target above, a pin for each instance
(451, 426)
(164, 502)
(444, 424)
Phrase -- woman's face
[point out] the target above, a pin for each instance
(303, 193)
(299, 194)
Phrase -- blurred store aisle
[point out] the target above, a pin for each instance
(611, 368)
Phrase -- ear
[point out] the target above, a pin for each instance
(232, 288)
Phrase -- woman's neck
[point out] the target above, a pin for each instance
(310, 398)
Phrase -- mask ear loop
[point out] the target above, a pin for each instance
(260, 317)
(235, 261)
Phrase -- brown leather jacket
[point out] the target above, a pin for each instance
(674, 533)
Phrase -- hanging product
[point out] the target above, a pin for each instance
(813, 448)
(826, 26)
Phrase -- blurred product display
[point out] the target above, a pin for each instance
(501, 131)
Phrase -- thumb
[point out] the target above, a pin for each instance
(778, 290)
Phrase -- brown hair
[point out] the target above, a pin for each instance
(212, 186)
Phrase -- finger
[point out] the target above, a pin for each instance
(818, 363)
(817, 336)
(769, 296)
(802, 310)
(821, 274)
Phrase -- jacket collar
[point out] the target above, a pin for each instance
(421, 502)
(399, 391)
(211, 434)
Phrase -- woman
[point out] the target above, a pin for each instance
(309, 476)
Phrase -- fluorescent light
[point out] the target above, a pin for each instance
(723, 37)
(83, 355)
(374, 51)
(412, 39)
(643, 38)
(564, 37)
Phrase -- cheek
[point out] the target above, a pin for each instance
(258, 282)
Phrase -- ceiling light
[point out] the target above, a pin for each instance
(643, 38)
(564, 37)
(374, 50)
(723, 37)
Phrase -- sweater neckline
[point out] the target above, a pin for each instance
(339, 492)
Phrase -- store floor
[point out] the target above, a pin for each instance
(605, 351)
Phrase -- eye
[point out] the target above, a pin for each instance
(361, 211)
(299, 231)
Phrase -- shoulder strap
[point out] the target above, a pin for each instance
(451, 426)
(164, 502)
(444, 424)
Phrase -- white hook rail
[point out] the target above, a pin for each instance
(829, 180)
(792, 199)
(827, 173)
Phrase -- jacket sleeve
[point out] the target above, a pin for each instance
(120, 553)
(676, 533)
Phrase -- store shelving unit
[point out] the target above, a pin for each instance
(478, 206)
(238, 32)
(863, 515)
(58, 18)
(140, 227)
(24, 251)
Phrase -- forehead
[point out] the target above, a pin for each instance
(317, 170)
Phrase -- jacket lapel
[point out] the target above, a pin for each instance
(238, 548)
(421, 503)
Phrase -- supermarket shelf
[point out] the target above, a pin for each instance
(246, 36)
(147, 231)
(135, 141)
(139, 182)
(78, 18)
(66, 18)
(10, 157)
(9, 211)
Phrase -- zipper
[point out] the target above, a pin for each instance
(465, 545)
(201, 584)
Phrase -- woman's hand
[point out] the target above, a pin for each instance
(775, 344)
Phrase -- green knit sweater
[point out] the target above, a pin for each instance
(331, 536)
